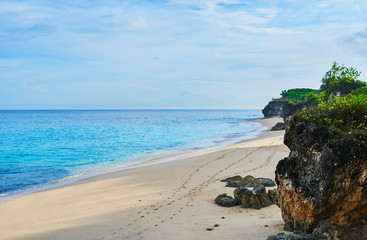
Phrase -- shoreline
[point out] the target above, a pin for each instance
(151, 161)
(118, 204)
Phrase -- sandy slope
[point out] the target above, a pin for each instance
(172, 200)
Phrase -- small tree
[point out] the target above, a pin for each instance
(340, 79)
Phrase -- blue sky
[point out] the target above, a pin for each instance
(101, 53)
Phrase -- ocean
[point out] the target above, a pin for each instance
(41, 147)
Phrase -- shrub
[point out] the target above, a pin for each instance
(290, 102)
(344, 115)
(313, 98)
(360, 91)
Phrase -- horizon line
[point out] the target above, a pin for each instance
(121, 109)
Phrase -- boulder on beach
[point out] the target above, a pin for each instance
(226, 201)
(256, 198)
(248, 181)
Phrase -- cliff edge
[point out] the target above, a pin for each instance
(274, 109)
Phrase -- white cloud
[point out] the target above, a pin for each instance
(224, 13)
(272, 30)
(180, 45)
(25, 13)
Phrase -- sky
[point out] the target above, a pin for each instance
(121, 54)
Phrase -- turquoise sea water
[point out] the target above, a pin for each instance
(38, 147)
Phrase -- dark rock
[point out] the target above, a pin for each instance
(247, 198)
(234, 178)
(259, 190)
(250, 181)
(295, 236)
(209, 229)
(273, 195)
(255, 199)
(274, 109)
(279, 126)
(235, 181)
(226, 201)
(235, 184)
(322, 183)
(283, 109)
(267, 182)
(291, 110)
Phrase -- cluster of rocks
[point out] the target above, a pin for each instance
(248, 181)
(322, 184)
(256, 198)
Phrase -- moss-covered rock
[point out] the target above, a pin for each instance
(226, 201)
(256, 199)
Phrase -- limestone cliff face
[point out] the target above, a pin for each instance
(274, 109)
(322, 184)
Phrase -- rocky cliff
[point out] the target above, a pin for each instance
(322, 184)
(274, 109)
(282, 109)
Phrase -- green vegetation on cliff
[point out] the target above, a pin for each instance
(297, 94)
(341, 105)
(341, 115)
(339, 81)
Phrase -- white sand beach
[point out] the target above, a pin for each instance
(171, 200)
